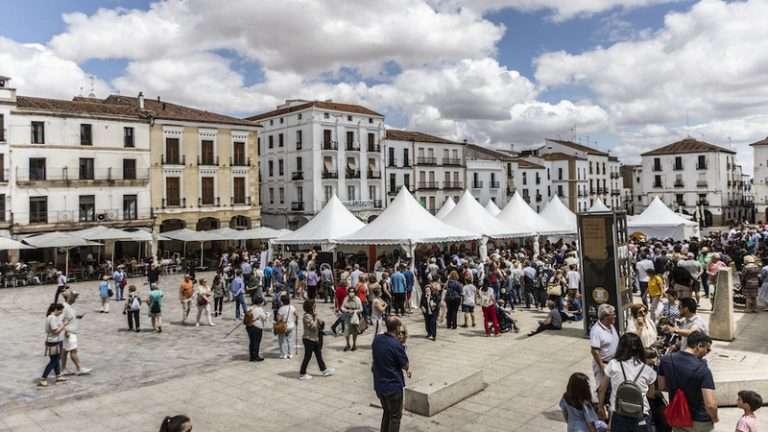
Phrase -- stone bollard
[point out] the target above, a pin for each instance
(722, 324)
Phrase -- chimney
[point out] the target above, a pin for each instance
(141, 100)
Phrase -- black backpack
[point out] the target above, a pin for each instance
(629, 396)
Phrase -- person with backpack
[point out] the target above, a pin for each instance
(453, 293)
(687, 378)
(155, 301)
(255, 320)
(132, 309)
(631, 380)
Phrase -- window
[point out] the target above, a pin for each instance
(328, 192)
(349, 118)
(270, 170)
(370, 119)
(239, 190)
(280, 141)
(2, 168)
(350, 192)
(300, 194)
(2, 127)
(280, 167)
(299, 164)
(258, 146)
(130, 207)
(371, 141)
(129, 169)
(678, 163)
(299, 116)
(38, 209)
(172, 151)
(282, 195)
(392, 182)
(298, 140)
(657, 181)
(701, 162)
(207, 189)
(281, 120)
(2, 207)
(86, 169)
(327, 141)
(271, 196)
(128, 137)
(172, 191)
(372, 192)
(475, 180)
(391, 153)
(38, 133)
(679, 199)
(406, 159)
(525, 178)
(87, 208)
(656, 164)
(590, 167)
(559, 173)
(326, 115)
(206, 152)
(538, 178)
(238, 152)
(271, 141)
(271, 122)
(407, 181)
(350, 140)
(560, 191)
(37, 169)
(86, 134)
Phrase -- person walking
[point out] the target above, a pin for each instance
(237, 289)
(104, 294)
(312, 340)
(287, 314)
(54, 331)
(468, 299)
(312, 282)
(627, 366)
(352, 310)
(603, 340)
(255, 320)
(132, 309)
(120, 280)
(430, 305)
(340, 296)
(685, 372)
(155, 302)
(389, 362)
(488, 304)
(203, 297)
(453, 293)
(219, 288)
(186, 292)
(326, 282)
(378, 307)
(397, 281)
(61, 284)
(72, 320)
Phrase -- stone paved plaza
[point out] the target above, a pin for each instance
(140, 378)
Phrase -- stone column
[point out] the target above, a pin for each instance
(722, 325)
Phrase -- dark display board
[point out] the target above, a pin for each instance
(605, 267)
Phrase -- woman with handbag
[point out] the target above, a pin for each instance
(203, 301)
(285, 326)
(352, 310)
(54, 340)
(312, 341)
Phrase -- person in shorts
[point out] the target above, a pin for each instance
(468, 294)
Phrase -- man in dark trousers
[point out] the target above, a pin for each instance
(389, 362)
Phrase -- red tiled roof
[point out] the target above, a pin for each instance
(579, 147)
(403, 135)
(761, 142)
(335, 106)
(77, 106)
(557, 156)
(688, 145)
(171, 111)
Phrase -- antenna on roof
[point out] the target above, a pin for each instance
(91, 94)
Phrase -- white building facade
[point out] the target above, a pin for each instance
(311, 150)
(760, 180)
(488, 173)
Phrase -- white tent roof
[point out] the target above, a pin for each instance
(519, 217)
(261, 233)
(470, 216)
(333, 221)
(492, 208)
(11, 244)
(598, 207)
(556, 213)
(188, 235)
(406, 221)
(446, 208)
(102, 233)
(58, 239)
(658, 214)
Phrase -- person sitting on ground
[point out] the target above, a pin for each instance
(552, 322)
(573, 309)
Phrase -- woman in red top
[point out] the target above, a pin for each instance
(341, 295)
(362, 294)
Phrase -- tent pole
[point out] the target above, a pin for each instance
(535, 247)
(66, 264)
(201, 253)
(483, 248)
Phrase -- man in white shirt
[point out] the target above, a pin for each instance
(603, 340)
(574, 278)
(642, 268)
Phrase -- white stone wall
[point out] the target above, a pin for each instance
(484, 191)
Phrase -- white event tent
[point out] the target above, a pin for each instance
(659, 221)
(492, 208)
(556, 213)
(598, 207)
(470, 216)
(523, 221)
(446, 208)
(11, 244)
(333, 221)
(59, 240)
(406, 222)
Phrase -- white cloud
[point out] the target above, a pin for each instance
(561, 10)
(37, 71)
(286, 35)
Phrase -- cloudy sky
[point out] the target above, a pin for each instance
(623, 75)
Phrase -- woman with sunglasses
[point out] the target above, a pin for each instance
(642, 325)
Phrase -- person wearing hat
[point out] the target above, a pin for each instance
(72, 320)
(750, 283)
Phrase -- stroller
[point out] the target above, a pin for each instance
(506, 322)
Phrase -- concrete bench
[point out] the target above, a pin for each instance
(428, 397)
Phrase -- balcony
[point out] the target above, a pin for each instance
(173, 161)
(352, 173)
(239, 201)
(374, 174)
(297, 206)
(66, 177)
(615, 175)
(701, 184)
(239, 161)
(477, 184)
(330, 145)
(615, 192)
(495, 185)
(453, 185)
(330, 174)
(297, 175)
(426, 160)
(374, 148)
(452, 162)
(209, 203)
(428, 185)
(173, 203)
(351, 147)
(208, 161)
